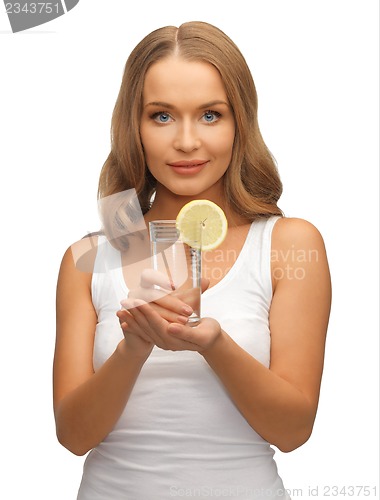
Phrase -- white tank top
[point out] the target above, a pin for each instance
(180, 434)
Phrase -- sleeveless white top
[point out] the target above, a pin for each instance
(180, 434)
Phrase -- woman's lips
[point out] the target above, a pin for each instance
(188, 167)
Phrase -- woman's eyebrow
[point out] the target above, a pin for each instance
(160, 104)
(171, 106)
(210, 104)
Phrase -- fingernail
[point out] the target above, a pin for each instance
(187, 310)
(182, 319)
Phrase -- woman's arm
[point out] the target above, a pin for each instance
(87, 405)
(280, 403)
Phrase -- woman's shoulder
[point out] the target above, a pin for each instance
(298, 251)
(293, 233)
(81, 254)
(295, 228)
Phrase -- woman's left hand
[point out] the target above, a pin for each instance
(145, 321)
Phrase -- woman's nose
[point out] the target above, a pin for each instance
(187, 138)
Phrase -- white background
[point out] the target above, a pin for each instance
(315, 64)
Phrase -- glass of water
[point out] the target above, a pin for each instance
(179, 261)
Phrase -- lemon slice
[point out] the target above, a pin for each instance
(207, 215)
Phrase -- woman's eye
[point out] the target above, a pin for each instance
(161, 117)
(211, 116)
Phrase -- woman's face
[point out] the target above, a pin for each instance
(187, 127)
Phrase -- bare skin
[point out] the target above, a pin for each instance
(279, 402)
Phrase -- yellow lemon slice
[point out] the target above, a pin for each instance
(207, 216)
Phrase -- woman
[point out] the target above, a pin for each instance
(170, 410)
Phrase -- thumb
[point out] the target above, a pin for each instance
(205, 283)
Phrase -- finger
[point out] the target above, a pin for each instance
(172, 310)
(152, 322)
(132, 328)
(184, 332)
(178, 302)
(138, 314)
(148, 316)
(174, 302)
(159, 331)
(137, 322)
(189, 296)
(121, 314)
(184, 337)
(170, 316)
(126, 320)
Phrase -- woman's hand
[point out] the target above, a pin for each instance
(135, 341)
(202, 336)
(167, 304)
(147, 325)
(173, 305)
(159, 316)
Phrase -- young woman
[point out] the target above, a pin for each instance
(168, 409)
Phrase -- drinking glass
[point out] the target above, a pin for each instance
(180, 261)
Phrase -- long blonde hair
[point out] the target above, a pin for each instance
(252, 183)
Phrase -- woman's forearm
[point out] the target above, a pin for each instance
(88, 413)
(277, 410)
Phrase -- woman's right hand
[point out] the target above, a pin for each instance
(134, 338)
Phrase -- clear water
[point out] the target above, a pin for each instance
(180, 264)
